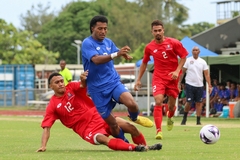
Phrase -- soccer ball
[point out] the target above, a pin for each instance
(209, 134)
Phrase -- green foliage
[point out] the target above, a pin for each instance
(138, 53)
(21, 47)
(71, 24)
(129, 23)
(21, 137)
(198, 27)
(235, 13)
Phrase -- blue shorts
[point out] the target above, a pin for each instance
(194, 94)
(105, 101)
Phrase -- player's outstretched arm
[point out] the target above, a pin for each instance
(45, 137)
(100, 59)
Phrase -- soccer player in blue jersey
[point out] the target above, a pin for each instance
(103, 81)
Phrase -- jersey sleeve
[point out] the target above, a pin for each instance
(146, 56)
(114, 48)
(179, 49)
(50, 116)
(88, 50)
(75, 86)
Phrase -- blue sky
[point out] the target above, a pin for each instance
(10, 10)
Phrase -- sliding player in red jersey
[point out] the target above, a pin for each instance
(75, 109)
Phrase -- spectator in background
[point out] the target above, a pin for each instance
(228, 85)
(67, 75)
(237, 98)
(223, 97)
(213, 95)
(39, 75)
(237, 52)
(233, 90)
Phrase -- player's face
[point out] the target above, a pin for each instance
(158, 33)
(99, 31)
(57, 84)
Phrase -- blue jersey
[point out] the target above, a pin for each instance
(103, 76)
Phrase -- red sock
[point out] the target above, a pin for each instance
(171, 113)
(139, 140)
(157, 114)
(119, 144)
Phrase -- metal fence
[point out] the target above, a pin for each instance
(20, 97)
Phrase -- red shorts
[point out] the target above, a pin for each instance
(90, 129)
(170, 87)
(95, 129)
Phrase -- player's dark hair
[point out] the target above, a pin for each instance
(53, 75)
(96, 19)
(157, 23)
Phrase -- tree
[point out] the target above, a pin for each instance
(138, 53)
(21, 47)
(35, 18)
(197, 28)
(129, 23)
(71, 24)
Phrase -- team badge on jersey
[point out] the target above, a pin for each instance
(69, 95)
(168, 47)
(98, 48)
(191, 62)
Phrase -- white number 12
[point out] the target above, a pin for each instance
(68, 107)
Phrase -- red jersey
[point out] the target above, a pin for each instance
(165, 57)
(74, 109)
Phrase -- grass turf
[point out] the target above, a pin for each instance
(20, 137)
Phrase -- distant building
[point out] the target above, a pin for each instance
(226, 10)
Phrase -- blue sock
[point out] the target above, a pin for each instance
(121, 135)
(133, 115)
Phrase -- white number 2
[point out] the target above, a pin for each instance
(164, 55)
(68, 107)
(154, 88)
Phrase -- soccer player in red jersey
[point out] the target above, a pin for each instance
(165, 52)
(72, 106)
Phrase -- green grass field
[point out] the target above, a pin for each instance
(20, 137)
